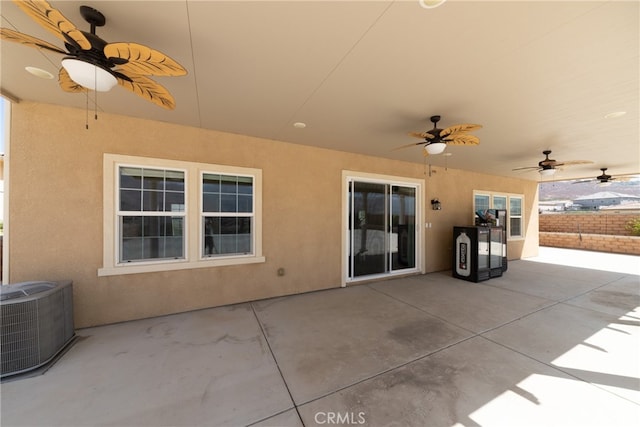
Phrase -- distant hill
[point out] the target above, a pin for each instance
(568, 190)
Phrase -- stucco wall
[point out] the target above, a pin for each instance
(56, 211)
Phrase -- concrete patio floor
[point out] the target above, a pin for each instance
(546, 344)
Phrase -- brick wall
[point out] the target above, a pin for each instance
(592, 242)
(610, 223)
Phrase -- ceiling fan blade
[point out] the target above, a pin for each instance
(51, 19)
(149, 90)
(462, 139)
(142, 60)
(413, 144)
(15, 36)
(421, 135)
(459, 128)
(68, 85)
(574, 162)
(526, 168)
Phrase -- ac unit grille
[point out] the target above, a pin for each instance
(36, 326)
(19, 336)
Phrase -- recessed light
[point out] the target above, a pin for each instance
(299, 125)
(39, 72)
(430, 4)
(615, 114)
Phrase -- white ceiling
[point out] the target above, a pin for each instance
(362, 74)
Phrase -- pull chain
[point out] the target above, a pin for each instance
(95, 83)
(86, 119)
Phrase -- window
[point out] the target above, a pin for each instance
(481, 202)
(515, 217)
(150, 214)
(227, 214)
(500, 202)
(512, 203)
(164, 215)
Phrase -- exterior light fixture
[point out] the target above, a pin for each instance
(435, 204)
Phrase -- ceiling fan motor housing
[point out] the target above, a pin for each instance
(604, 177)
(436, 135)
(95, 55)
(435, 131)
(547, 163)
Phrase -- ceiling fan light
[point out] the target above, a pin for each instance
(89, 75)
(435, 147)
(547, 172)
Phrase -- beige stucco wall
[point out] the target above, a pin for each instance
(56, 211)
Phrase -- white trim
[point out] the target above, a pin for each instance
(140, 267)
(419, 184)
(7, 187)
(193, 170)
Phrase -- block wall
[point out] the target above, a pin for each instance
(592, 242)
(588, 223)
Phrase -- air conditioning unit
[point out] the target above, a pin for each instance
(36, 324)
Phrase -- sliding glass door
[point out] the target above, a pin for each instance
(403, 228)
(382, 232)
(369, 237)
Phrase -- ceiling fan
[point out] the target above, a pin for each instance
(436, 140)
(548, 166)
(604, 178)
(92, 63)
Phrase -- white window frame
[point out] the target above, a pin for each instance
(119, 213)
(521, 216)
(192, 226)
(251, 215)
(508, 196)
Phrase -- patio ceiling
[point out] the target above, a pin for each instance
(361, 74)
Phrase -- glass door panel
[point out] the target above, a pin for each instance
(403, 228)
(382, 228)
(368, 232)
